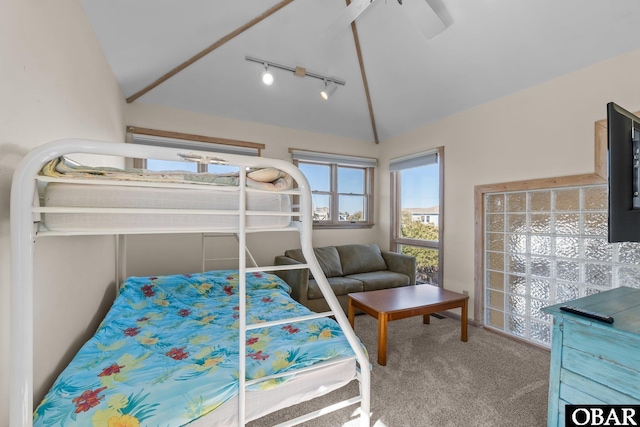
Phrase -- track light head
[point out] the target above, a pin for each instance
(328, 89)
(267, 77)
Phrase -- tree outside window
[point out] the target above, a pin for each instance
(417, 211)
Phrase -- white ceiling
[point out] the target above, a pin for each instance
(490, 48)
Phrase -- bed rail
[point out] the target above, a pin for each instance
(24, 233)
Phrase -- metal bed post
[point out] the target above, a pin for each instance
(242, 273)
(23, 189)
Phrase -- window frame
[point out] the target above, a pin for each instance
(178, 139)
(396, 240)
(334, 195)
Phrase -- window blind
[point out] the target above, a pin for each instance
(339, 159)
(413, 161)
(193, 145)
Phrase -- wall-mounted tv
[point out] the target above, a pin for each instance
(623, 133)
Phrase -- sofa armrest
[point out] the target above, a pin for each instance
(298, 279)
(401, 263)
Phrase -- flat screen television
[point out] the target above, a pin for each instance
(623, 137)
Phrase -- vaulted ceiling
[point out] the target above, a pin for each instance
(489, 49)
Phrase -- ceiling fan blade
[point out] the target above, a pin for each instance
(424, 17)
(345, 18)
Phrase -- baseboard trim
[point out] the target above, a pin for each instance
(513, 338)
(456, 316)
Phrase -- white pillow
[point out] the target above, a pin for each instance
(265, 175)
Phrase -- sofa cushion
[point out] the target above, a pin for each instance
(339, 285)
(360, 258)
(327, 257)
(381, 280)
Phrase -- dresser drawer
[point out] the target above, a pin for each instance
(578, 389)
(602, 355)
(602, 342)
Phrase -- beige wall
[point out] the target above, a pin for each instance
(144, 253)
(545, 131)
(54, 83)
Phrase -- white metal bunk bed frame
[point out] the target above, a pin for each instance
(24, 230)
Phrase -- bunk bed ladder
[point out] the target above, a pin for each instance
(206, 260)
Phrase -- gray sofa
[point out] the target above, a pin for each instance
(348, 268)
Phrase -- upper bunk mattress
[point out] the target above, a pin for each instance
(108, 196)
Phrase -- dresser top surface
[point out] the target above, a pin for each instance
(623, 304)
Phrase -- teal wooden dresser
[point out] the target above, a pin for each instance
(593, 362)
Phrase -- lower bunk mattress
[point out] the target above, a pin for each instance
(167, 354)
(113, 196)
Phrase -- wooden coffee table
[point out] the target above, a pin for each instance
(406, 301)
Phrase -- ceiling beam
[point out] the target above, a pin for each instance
(210, 49)
(356, 39)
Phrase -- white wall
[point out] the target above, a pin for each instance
(545, 131)
(144, 253)
(54, 83)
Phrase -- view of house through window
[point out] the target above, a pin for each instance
(349, 196)
(341, 188)
(416, 190)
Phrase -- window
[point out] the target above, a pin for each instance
(544, 247)
(417, 208)
(188, 142)
(341, 188)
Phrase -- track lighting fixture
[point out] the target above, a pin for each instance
(330, 83)
(267, 77)
(328, 89)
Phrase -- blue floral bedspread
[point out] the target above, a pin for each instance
(167, 351)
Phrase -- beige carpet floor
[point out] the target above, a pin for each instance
(434, 379)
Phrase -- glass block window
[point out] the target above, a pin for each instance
(544, 247)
